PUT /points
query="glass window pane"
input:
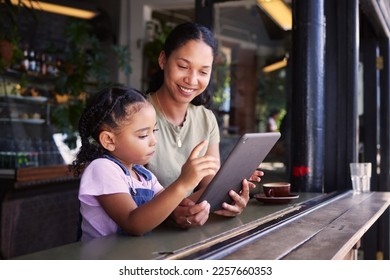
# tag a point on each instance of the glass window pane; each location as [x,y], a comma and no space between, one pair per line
[248,95]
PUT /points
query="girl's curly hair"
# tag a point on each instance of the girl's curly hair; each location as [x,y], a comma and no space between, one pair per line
[106,109]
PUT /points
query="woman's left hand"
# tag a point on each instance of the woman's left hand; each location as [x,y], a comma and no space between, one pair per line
[188,214]
[256,176]
[240,200]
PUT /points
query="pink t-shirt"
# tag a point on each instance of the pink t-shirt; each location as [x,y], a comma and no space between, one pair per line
[103,176]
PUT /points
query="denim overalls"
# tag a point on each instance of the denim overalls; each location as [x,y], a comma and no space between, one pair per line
[140,196]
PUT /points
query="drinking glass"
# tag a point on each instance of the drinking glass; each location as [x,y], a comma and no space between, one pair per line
[361,176]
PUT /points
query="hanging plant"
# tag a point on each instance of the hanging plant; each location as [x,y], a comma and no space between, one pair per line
[9,31]
[83,71]
[157,33]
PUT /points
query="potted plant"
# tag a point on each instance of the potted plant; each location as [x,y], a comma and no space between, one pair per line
[83,71]
[10,51]
[9,32]
[157,33]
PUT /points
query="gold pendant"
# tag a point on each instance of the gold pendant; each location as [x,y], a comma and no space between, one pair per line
[178,142]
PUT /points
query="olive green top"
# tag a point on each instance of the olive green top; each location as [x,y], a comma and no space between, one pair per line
[200,124]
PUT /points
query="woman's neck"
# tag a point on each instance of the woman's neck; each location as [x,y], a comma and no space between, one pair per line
[174,112]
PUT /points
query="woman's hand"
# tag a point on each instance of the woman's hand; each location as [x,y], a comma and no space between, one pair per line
[188,214]
[240,200]
[256,176]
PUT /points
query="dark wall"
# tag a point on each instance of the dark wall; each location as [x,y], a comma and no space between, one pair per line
[39,218]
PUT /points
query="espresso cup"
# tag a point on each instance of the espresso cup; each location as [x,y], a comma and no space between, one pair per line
[277,189]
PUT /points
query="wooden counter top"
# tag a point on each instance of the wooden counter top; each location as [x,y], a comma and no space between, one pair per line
[326,230]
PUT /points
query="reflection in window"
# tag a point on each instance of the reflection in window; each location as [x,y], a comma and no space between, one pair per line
[245,93]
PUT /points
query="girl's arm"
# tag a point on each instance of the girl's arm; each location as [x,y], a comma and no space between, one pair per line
[197,214]
[138,220]
[212,150]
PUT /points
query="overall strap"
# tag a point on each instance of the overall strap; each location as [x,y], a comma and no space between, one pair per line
[138,168]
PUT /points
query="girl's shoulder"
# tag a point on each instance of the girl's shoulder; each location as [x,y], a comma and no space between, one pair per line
[102,165]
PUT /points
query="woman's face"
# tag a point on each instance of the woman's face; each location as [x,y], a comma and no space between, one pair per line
[187,70]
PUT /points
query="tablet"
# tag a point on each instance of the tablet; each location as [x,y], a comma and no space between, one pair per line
[250,150]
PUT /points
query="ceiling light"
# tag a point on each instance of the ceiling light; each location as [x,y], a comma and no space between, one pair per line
[276,66]
[278,11]
[66,8]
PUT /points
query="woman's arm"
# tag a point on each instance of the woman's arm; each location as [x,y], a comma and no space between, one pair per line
[188,213]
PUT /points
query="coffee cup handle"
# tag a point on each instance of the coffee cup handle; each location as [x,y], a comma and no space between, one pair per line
[270,192]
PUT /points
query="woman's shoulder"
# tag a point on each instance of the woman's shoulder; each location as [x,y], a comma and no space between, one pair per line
[201,116]
[200,109]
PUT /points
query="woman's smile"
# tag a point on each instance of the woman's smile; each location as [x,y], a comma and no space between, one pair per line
[186,91]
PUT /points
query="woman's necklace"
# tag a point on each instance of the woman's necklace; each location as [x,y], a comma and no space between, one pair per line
[177,135]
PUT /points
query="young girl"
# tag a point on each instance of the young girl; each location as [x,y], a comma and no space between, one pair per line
[116,192]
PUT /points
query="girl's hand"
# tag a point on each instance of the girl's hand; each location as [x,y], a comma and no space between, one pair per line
[196,168]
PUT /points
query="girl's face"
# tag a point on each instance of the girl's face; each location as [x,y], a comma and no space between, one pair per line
[135,142]
[187,70]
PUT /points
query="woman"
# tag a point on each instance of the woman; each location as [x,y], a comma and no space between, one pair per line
[178,94]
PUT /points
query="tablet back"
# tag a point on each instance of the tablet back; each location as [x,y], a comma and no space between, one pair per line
[243,160]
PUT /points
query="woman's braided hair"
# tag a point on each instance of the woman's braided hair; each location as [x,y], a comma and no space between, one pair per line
[106,110]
